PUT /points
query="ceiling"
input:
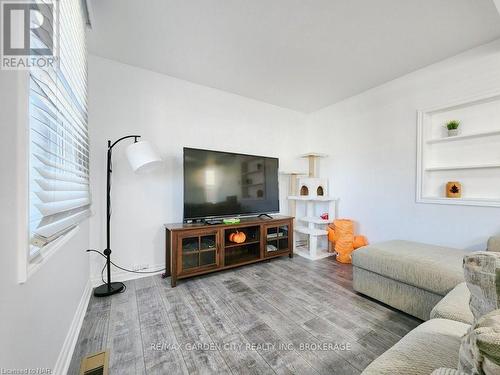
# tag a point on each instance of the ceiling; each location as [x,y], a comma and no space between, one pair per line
[298,54]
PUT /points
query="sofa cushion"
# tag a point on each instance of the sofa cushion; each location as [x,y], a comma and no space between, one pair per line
[431,345]
[482,275]
[433,268]
[455,305]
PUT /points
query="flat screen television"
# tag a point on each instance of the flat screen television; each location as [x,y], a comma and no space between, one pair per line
[218,184]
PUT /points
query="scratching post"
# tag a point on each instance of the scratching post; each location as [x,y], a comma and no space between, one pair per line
[292,191]
[313,159]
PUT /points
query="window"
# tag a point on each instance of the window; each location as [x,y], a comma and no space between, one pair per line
[59,196]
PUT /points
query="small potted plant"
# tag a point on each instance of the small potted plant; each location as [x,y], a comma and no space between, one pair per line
[452,127]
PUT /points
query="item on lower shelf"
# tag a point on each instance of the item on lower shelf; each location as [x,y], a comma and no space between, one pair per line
[324,216]
[237,237]
[207,243]
[453,189]
[341,235]
[271,248]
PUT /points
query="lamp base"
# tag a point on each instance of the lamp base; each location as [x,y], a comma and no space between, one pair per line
[108,289]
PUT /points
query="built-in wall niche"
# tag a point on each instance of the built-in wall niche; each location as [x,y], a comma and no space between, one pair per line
[471,158]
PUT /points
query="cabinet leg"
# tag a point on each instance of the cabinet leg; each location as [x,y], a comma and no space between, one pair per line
[173,282]
[291,254]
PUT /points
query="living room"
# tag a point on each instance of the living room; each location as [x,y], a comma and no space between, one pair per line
[330,167]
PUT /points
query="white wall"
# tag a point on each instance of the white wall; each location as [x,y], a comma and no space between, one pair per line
[35,316]
[170,113]
[371,140]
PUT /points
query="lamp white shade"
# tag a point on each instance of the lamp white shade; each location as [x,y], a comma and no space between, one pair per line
[142,156]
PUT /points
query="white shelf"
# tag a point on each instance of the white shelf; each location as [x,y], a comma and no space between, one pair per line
[462,201]
[457,167]
[465,136]
[307,198]
[304,252]
[310,231]
[315,220]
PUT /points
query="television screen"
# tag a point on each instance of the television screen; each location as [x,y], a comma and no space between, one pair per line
[220,184]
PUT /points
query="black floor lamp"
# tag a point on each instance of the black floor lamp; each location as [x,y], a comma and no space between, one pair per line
[141,156]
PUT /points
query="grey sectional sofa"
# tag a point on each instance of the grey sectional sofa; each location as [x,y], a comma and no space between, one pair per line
[425,281]
[410,276]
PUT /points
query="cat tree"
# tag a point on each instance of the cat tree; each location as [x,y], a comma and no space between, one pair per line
[308,200]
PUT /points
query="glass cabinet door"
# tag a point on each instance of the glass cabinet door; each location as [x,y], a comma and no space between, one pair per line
[190,250]
[276,240]
[283,238]
[208,250]
[198,252]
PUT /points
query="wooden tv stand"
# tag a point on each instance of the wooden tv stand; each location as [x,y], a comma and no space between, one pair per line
[196,249]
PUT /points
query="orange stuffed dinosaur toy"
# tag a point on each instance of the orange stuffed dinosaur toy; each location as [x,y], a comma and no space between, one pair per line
[341,235]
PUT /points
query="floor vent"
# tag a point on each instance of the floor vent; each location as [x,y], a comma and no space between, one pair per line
[95,364]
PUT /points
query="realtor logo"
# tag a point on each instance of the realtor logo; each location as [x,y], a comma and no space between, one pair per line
[29,34]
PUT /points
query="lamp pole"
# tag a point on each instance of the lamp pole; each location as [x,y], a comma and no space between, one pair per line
[109,287]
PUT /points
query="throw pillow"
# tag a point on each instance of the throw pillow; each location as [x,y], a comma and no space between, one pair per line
[482,275]
[480,347]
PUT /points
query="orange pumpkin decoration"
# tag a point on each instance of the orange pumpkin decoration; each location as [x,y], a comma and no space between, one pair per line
[237,237]
[360,241]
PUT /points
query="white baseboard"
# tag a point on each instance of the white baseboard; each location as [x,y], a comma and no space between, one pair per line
[64,358]
[125,276]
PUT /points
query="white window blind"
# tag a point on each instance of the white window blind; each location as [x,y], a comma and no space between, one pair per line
[59,142]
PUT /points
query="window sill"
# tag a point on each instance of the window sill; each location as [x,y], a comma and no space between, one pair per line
[36,262]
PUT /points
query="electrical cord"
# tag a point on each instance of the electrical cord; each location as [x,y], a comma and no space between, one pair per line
[122,268]
[102,273]
[117,266]
[104,282]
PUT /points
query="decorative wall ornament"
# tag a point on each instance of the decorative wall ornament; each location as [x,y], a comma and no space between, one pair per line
[453,189]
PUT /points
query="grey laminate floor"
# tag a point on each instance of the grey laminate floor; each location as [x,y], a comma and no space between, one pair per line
[283,316]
